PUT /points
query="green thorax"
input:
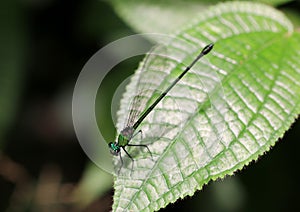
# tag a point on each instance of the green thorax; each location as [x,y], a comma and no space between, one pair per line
[125,136]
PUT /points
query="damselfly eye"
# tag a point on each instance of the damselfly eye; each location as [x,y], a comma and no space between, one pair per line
[114,148]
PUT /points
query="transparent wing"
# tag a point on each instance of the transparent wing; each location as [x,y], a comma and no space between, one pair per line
[148,77]
[157,71]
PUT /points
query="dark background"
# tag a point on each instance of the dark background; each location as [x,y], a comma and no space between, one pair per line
[45,44]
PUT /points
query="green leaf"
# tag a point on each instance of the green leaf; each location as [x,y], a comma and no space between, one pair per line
[164,16]
[234,105]
[157,16]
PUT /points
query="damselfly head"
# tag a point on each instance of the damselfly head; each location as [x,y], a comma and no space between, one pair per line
[114,148]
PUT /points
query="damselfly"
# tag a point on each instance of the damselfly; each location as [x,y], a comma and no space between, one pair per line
[129,131]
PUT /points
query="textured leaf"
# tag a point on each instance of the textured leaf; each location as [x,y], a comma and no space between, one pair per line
[233,106]
[164,16]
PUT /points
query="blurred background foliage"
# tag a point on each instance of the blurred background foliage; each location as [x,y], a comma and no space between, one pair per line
[44,45]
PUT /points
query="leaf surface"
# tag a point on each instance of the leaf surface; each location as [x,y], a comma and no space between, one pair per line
[230,109]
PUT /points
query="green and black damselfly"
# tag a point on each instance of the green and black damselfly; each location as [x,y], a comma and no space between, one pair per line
[129,131]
